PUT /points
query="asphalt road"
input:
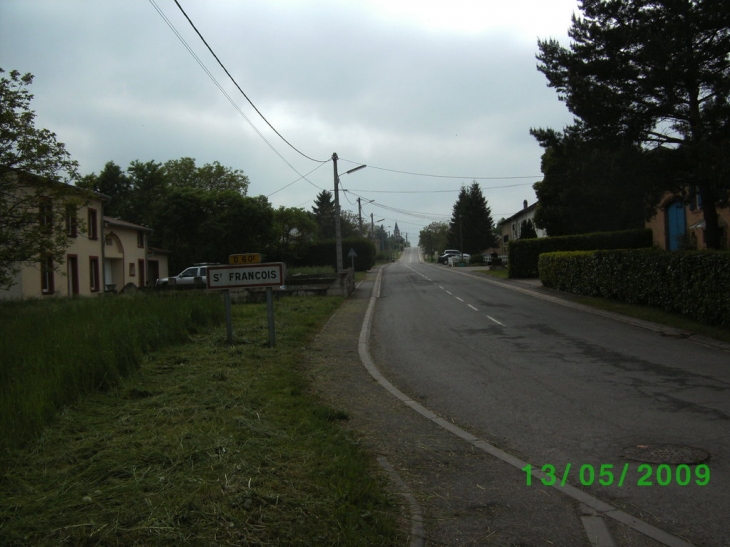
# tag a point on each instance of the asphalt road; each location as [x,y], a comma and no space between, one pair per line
[556,385]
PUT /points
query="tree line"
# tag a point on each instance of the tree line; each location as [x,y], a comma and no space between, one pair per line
[203,213]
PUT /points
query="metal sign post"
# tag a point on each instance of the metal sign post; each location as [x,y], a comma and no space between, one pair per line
[267,275]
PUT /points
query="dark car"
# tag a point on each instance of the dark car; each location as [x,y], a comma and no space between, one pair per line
[444,258]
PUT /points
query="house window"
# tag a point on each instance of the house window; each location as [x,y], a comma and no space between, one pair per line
[94,273]
[695,199]
[140,239]
[131,269]
[45,215]
[72,221]
[93,225]
[47,275]
[109,240]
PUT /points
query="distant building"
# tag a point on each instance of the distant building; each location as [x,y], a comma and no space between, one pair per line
[511,228]
[397,235]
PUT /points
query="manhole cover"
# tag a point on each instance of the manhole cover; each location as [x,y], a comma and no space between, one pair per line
[665,453]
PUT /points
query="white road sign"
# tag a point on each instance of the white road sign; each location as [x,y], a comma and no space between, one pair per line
[269,274]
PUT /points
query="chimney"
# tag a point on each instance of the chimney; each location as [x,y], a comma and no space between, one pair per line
[524,204]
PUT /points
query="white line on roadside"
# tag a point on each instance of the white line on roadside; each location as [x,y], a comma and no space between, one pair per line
[459,299]
[472,307]
[600,507]
[493,319]
[449,292]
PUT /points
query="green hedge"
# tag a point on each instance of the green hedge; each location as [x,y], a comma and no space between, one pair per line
[524,253]
[694,283]
[324,253]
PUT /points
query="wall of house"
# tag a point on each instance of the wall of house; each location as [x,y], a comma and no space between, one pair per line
[693,216]
[126,259]
[114,250]
[81,247]
[512,227]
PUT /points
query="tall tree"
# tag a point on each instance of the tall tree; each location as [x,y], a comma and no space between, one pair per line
[434,237]
[595,187]
[294,230]
[201,226]
[471,225]
[115,184]
[655,73]
[211,177]
[35,170]
[149,188]
[324,213]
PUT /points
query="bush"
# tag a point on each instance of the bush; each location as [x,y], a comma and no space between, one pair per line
[694,283]
[477,259]
[324,253]
[524,254]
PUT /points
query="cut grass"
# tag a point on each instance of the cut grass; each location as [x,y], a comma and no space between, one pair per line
[501,274]
[207,444]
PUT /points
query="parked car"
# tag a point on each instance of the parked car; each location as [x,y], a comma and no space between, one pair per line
[444,258]
[189,275]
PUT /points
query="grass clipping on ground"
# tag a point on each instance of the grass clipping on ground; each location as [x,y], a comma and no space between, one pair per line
[208,444]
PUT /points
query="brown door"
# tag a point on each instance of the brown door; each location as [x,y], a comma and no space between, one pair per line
[140,267]
[154,270]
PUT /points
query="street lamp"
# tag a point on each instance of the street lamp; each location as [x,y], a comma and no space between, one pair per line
[338,226]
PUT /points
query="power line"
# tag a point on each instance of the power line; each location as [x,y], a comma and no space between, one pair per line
[443,176]
[241,90]
[415,214]
[227,96]
[300,178]
[434,191]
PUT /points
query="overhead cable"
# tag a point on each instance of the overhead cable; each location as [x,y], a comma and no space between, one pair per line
[443,176]
[225,93]
[241,90]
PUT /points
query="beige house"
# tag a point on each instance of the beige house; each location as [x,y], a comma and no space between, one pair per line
[107,255]
[511,227]
[679,224]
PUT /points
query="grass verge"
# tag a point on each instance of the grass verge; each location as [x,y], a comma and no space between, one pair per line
[207,444]
[657,315]
[501,274]
[646,313]
[54,351]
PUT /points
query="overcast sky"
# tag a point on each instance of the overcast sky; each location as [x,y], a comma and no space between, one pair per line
[421,86]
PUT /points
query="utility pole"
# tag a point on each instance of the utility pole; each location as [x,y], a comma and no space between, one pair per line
[372,226]
[359,214]
[338,227]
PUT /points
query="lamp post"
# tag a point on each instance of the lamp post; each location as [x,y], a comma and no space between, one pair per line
[338,226]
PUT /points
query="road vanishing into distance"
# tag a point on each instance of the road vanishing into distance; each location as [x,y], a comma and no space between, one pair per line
[552,384]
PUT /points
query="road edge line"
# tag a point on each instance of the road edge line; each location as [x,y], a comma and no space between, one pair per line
[601,507]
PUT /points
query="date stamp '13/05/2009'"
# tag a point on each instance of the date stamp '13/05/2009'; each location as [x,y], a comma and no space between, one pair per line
[608,474]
